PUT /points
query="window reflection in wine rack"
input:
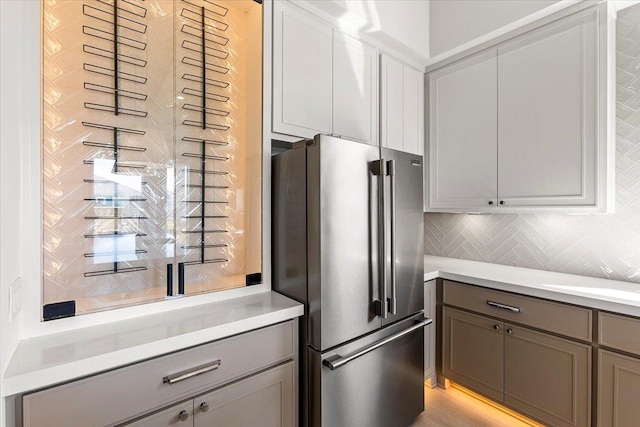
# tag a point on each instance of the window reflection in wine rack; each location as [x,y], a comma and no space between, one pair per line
[116,227]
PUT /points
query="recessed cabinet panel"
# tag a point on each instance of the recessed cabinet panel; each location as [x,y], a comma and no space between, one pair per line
[391,103]
[473,352]
[401,106]
[463,135]
[618,390]
[413,111]
[302,72]
[177,415]
[547,378]
[265,400]
[547,97]
[355,81]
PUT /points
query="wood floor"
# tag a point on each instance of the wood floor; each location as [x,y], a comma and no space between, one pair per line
[455,408]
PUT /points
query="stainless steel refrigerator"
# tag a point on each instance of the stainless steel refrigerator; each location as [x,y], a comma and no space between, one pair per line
[348,243]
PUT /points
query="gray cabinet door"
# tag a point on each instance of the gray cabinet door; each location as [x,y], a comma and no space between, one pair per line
[265,400]
[473,353]
[547,378]
[618,390]
[177,415]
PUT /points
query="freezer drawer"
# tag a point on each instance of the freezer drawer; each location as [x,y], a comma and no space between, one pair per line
[374,381]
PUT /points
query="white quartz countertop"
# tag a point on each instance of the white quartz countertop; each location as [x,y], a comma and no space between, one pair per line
[611,295]
[47,360]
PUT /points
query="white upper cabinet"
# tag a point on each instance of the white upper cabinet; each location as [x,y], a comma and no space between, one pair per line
[527,125]
[401,106]
[302,72]
[463,134]
[547,122]
[323,81]
[355,80]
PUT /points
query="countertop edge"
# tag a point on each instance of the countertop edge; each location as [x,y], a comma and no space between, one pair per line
[575,297]
[51,376]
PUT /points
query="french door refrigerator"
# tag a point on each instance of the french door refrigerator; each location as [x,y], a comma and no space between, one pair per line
[348,243]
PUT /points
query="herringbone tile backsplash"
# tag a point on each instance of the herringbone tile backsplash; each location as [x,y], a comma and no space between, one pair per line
[605,246]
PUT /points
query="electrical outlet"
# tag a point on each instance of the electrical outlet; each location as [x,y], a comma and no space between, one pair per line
[15,298]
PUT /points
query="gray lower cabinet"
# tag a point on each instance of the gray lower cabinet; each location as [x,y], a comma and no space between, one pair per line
[176,415]
[546,377]
[265,399]
[618,390]
[241,381]
[618,374]
[473,352]
[540,375]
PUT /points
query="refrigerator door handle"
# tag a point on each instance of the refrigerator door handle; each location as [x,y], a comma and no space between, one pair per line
[391,172]
[380,305]
[336,361]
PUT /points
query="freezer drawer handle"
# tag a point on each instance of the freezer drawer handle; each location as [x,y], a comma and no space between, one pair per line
[504,306]
[189,373]
[336,361]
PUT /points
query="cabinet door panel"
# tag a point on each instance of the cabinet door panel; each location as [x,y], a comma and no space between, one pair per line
[462,132]
[265,400]
[547,120]
[618,390]
[169,417]
[355,94]
[413,99]
[547,378]
[391,103]
[302,72]
[473,353]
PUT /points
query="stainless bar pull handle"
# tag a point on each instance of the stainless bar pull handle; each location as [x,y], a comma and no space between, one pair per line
[336,361]
[504,306]
[189,373]
[379,169]
[391,172]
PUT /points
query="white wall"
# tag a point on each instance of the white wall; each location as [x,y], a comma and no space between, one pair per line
[454,22]
[19,77]
[400,24]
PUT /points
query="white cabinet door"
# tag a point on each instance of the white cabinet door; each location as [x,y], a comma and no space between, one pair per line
[401,106]
[302,72]
[265,400]
[547,118]
[413,110]
[355,93]
[463,133]
[391,103]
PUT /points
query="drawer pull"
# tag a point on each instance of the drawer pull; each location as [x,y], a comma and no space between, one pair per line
[504,306]
[183,415]
[198,370]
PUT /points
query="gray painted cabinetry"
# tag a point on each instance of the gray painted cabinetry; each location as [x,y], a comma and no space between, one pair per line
[241,381]
[264,399]
[500,355]
[618,373]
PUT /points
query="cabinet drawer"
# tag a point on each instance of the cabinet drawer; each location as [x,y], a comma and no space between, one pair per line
[555,317]
[619,332]
[115,396]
